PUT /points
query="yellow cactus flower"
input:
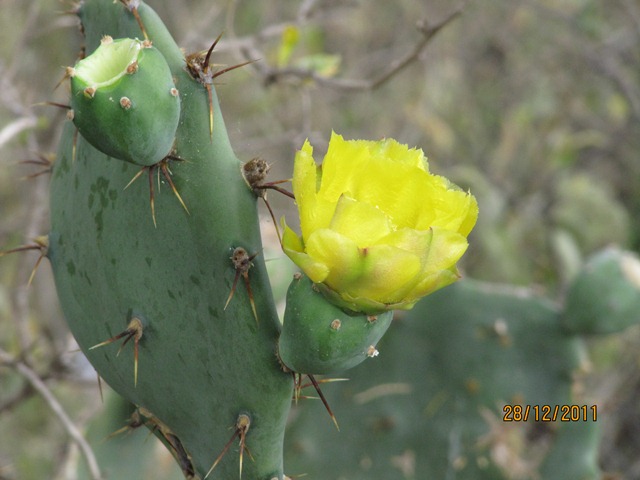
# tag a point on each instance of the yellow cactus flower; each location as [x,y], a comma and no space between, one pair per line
[379,231]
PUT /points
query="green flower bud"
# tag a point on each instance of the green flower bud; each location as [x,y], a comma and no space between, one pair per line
[125,102]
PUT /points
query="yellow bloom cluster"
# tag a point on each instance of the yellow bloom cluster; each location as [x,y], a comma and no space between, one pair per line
[378,230]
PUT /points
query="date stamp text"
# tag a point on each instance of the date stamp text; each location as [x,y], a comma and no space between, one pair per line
[550,413]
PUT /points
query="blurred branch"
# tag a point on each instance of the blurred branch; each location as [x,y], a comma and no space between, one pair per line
[15,127]
[309,10]
[272,75]
[21,43]
[36,382]
[243,44]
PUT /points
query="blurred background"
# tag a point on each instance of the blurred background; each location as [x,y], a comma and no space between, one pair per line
[533,105]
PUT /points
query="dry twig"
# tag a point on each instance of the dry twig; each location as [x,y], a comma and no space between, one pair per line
[36,382]
[272,75]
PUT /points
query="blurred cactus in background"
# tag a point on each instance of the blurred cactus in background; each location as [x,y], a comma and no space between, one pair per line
[165,274]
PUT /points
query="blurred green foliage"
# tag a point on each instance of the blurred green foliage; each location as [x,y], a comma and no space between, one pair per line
[531,104]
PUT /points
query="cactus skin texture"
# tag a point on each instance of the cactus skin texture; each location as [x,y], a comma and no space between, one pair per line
[200,366]
[430,406]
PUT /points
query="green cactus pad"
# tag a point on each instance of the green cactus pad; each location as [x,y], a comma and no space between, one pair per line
[605,297]
[125,102]
[320,338]
[199,365]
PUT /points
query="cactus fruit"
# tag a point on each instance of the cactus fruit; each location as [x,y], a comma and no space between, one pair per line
[124,101]
[320,338]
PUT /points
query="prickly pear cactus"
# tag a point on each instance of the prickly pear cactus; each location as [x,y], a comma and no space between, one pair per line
[155,250]
[144,272]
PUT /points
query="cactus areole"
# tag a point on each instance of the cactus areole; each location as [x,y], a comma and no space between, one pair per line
[125,102]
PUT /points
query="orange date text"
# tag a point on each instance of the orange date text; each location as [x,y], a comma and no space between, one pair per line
[550,413]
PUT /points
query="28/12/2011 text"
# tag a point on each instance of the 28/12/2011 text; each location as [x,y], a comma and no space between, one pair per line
[550,413]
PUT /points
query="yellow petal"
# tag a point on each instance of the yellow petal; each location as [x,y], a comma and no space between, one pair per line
[342,167]
[339,253]
[401,154]
[385,174]
[447,207]
[294,249]
[433,282]
[471,216]
[386,270]
[304,186]
[417,242]
[290,241]
[362,223]
[400,191]
[315,212]
[445,250]
[438,263]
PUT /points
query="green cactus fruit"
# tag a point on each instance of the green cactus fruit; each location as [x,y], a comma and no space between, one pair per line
[605,297]
[320,338]
[125,102]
